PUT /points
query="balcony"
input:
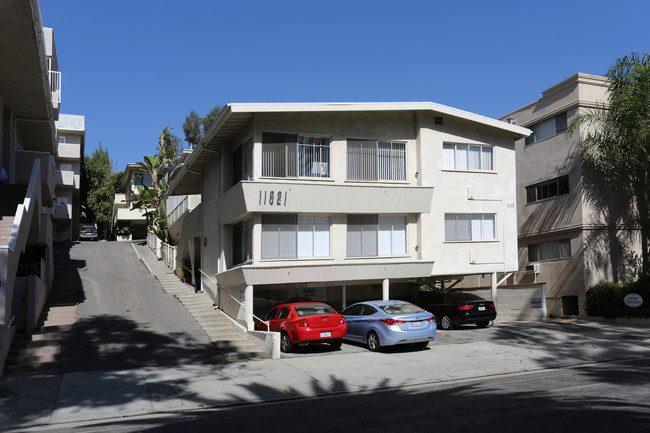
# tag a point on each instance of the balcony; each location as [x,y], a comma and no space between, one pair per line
[67,179]
[25,162]
[63,211]
[55,87]
[68,151]
[296,197]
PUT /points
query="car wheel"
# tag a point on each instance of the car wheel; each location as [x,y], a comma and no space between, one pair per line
[336,344]
[482,324]
[285,343]
[373,342]
[421,344]
[446,323]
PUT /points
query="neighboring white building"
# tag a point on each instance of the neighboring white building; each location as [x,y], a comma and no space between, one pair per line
[124,215]
[347,201]
[30,96]
[71,132]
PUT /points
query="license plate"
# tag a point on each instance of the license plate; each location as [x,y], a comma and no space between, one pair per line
[481,308]
[325,334]
[416,324]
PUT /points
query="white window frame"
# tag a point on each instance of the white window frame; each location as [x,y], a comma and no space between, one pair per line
[298,236]
[304,156]
[458,157]
[470,227]
[376,235]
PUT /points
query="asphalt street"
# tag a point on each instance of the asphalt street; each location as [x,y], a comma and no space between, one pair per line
[599,397]
[126,320]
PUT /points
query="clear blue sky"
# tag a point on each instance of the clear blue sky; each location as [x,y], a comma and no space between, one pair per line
[132,67]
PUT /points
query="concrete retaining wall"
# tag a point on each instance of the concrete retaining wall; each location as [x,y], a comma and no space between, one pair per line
[525,302]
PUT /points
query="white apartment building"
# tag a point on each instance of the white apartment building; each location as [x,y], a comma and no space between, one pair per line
[124,214]
[346,201]
[30,96]
[574,226]
[71,135]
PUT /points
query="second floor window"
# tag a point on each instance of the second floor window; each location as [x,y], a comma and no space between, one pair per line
[376,160]
[293,236]
[469,227]
[242,242]
[547,128]
[472,157]
[290,155]
[548,189]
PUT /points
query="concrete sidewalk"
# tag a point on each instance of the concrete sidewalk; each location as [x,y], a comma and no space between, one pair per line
[504,349]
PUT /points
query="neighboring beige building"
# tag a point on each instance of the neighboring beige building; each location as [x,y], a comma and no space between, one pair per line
[347,201]
[71,131]
[30,96]
[571,221]
[124,215]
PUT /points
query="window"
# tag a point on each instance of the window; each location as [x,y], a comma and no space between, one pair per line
[376,235]
[469,227]
[376,160]
[287,155]
[242,242]
[242,162]
[292,236]
[547,128]
[472,157]
[551,250]
[65,166]
[548,189]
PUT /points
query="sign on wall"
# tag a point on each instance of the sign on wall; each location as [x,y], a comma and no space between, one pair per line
[633,300]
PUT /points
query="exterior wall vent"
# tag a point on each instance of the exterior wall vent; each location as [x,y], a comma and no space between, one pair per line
[437,120]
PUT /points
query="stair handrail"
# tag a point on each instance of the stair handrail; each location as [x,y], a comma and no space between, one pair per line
[268,328]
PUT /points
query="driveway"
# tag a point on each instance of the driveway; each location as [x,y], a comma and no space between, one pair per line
[125,319]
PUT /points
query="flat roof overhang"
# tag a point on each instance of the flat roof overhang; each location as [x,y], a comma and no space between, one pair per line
[186,178]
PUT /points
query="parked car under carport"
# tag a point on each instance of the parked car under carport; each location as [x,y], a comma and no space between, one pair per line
[456,307]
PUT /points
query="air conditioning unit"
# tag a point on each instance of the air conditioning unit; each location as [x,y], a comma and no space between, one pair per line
[532,269]
[319,169]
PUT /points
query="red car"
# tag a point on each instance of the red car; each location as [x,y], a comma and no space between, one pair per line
[302,323]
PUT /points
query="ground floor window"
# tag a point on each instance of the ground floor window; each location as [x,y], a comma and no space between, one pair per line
[293,236]
[376,235]
[552,250]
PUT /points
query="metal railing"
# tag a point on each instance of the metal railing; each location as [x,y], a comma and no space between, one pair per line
[237,301]
[55,86]
[178,211]
[169,255]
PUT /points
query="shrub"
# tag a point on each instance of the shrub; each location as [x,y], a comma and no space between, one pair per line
[606,299]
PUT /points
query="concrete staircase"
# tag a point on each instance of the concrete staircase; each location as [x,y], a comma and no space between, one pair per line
[40,352]
[234,343]
[6,222]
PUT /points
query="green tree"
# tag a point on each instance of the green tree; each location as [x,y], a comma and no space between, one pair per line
[196,126]
[151,200]
[98,183]
[618,134]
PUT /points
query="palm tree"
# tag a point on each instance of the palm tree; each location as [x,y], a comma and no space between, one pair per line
[619,133]
[151,201]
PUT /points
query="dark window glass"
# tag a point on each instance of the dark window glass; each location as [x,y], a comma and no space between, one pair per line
[547,189]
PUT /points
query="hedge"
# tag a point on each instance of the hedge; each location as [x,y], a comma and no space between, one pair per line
[606,299]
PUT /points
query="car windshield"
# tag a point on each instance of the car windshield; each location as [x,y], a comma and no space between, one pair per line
[401,309]
[465,297]
[314,309]
[86,227]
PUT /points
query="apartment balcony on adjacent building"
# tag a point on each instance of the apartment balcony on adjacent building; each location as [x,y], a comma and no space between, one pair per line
[68,151]
[63,211]
[68,179]
[55,87]
[24,163]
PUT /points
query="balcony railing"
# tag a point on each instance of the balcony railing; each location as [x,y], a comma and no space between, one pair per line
[55,86]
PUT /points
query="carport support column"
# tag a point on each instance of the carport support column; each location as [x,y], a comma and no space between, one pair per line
[248,303]
[494,292]
[384,290]
[344,300]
